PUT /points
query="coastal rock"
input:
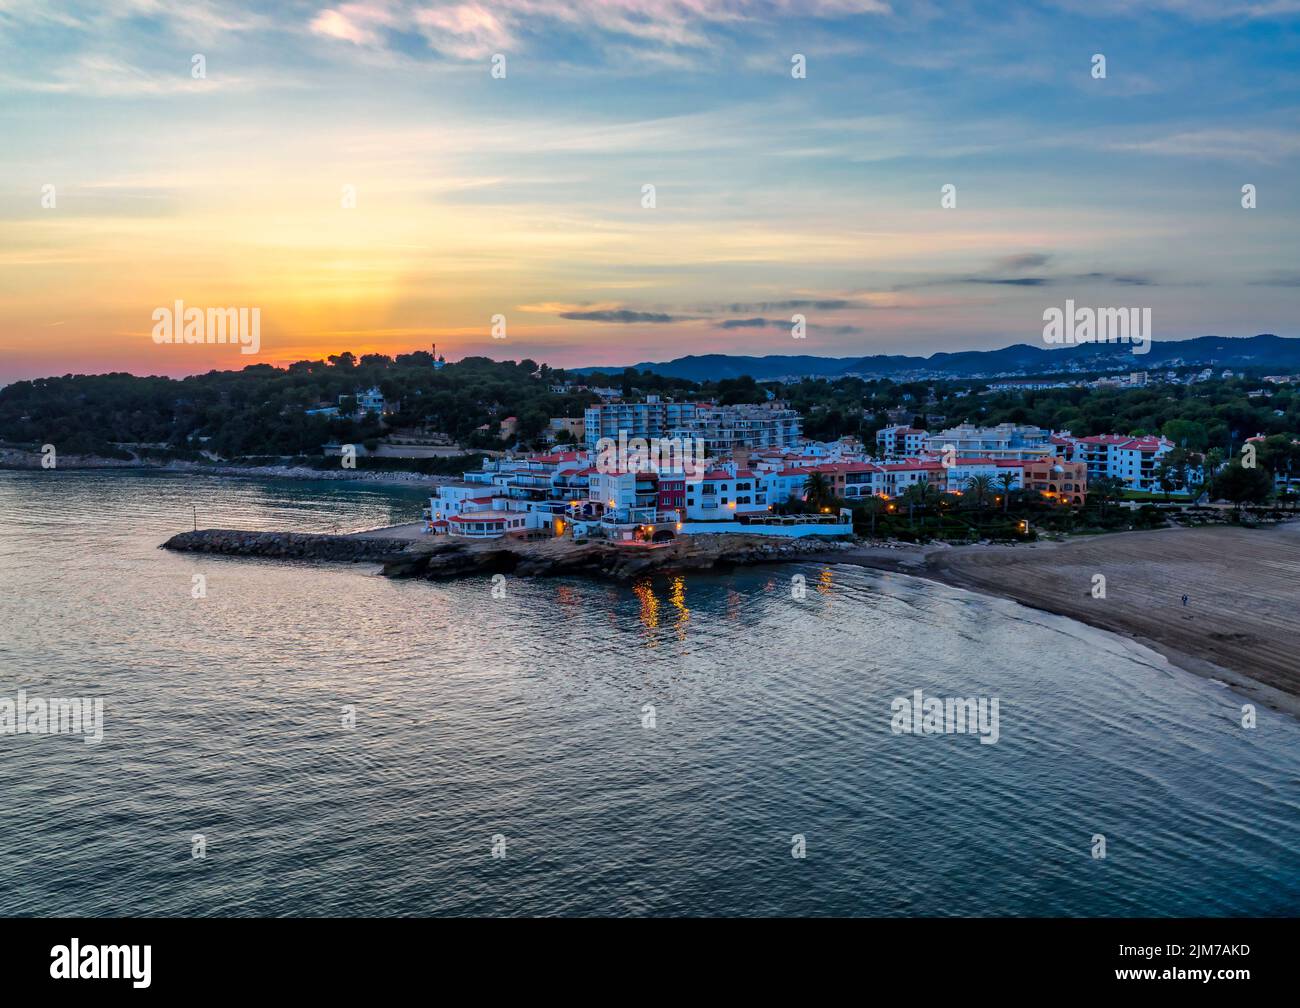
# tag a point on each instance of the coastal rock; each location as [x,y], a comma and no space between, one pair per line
[438,560]
[287,545]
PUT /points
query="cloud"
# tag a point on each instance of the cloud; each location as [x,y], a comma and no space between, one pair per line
[834,304]
[620,315]
[1199,10]
[107,76]
[472,30]
[1010,281]
[1025,260]
[1278,279]
[836,330]
[1262,145]
[1009,271]
[355,23]
[747,323]
[1123,280]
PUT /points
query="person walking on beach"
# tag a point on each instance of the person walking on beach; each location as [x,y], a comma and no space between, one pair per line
[1184,600]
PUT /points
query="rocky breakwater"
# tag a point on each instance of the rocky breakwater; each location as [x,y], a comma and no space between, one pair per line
[288,545]
[559,557]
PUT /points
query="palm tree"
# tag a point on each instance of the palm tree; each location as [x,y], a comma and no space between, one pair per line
[980,488]
[817,490]
[1006,482]
[922,495]
[872,506]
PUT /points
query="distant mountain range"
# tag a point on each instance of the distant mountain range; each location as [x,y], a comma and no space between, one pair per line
[1265,350]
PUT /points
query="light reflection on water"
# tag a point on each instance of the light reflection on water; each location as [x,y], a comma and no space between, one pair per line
[523,716]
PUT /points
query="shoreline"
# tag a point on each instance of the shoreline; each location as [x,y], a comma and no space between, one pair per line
[1240,638]
[15,461]
[1240,627]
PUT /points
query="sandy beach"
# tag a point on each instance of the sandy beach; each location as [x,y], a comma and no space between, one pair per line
[1241,623]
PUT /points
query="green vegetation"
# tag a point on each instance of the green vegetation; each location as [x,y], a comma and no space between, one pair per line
[260,411]
[1214,414]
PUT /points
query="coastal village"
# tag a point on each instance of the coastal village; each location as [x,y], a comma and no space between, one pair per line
[747,468]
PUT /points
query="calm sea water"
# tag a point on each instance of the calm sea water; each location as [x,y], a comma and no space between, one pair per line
[522,717]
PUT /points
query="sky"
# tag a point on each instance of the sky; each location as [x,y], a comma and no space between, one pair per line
[197,151]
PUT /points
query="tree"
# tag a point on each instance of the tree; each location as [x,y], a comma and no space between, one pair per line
[923,495]
[817,491]
[1188,434]
[872,506]
[1006,481]
[1279,454]
[1107,489]
[1241,485]
[980,489]
[1168,478]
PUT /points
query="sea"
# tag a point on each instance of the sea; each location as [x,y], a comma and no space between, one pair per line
[302,739]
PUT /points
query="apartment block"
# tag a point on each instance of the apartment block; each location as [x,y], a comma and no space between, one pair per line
[654,418]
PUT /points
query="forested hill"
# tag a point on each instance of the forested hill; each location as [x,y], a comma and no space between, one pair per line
[260,410]
[1263,351]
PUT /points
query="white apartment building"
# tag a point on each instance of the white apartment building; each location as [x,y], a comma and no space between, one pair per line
[1136,461]
[1014,442]
[721,494]
[965,468]
[654,418]
[896,477]
[893,442]
[726,429]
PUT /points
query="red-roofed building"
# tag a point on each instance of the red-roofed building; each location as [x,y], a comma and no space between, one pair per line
[1134,460]
[892,442]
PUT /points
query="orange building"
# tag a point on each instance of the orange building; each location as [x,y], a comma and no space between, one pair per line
[1057,479]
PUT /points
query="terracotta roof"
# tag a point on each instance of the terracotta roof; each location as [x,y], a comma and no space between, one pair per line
[722,474]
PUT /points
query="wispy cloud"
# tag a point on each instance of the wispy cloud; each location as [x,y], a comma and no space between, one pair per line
[621,315]
[1237,145]
[474,30]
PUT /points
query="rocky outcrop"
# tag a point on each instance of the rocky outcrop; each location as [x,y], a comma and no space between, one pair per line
[447,559]
[560,558]
[288,545]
